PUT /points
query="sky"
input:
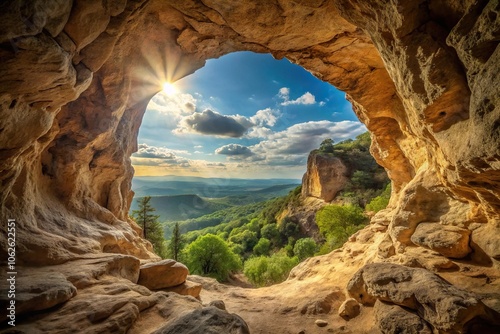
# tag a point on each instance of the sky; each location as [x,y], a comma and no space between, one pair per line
[244,115]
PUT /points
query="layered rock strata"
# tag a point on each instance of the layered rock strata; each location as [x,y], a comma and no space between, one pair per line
[76,76]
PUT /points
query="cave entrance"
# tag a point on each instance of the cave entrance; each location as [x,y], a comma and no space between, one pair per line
[237,132]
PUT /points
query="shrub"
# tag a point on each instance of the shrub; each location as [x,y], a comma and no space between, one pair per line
[380,202]
[304,248]
[265,270]
[262,247]
[210,255]
[337,223]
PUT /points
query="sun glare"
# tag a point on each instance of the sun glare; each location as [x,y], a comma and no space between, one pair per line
[169,88]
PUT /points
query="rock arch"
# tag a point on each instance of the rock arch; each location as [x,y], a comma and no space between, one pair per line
[76,78]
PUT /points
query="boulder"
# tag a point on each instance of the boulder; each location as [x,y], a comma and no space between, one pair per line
[207,320]
[392,318]
[187,288]
[162,274]
[441,304]
[349,309]
[450,241]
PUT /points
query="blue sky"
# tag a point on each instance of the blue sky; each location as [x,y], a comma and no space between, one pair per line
[243,115]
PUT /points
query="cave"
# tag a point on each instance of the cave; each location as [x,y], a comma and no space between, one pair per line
[76,78]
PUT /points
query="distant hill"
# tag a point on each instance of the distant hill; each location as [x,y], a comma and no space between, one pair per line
[203,187]
[181,207]
[187,206]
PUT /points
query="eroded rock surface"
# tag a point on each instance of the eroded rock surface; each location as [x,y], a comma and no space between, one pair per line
[450,241]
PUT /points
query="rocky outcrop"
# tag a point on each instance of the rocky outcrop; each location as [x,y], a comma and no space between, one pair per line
[326,175]
[75,79]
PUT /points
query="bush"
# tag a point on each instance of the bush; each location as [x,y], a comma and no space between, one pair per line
[263,247]
[337,223]
[380,202]
[270,231]
[265,270]
[210,255]
[304,248]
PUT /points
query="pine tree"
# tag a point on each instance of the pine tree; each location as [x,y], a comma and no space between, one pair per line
[151,227]
[176,243]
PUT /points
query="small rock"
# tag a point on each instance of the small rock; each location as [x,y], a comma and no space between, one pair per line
[321,323]
[219,304]
[349,309]
[162,274]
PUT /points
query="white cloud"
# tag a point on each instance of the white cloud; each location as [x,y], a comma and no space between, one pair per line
[264,117]
[284,93]
[305,99]
[322,103]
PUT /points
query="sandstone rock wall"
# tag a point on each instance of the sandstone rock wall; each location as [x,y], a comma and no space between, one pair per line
[76,76]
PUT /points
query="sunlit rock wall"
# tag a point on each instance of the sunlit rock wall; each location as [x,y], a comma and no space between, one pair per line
[76,77]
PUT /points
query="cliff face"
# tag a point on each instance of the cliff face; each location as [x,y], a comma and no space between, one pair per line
[76,77]
[325,177]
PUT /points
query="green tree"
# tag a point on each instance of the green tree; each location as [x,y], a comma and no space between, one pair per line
[337,223]
[210,255]
[304,248]
[151,227]
[262,247]
[326,146]
[176,243]
[247,239]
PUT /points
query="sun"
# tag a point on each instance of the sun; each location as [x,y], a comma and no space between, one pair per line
[169,88]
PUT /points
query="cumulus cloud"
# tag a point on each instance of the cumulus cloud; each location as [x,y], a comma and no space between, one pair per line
[307,98]
[158,156]
[233,149]
[284,93]
[210,122]
[292,145]
[265,117]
